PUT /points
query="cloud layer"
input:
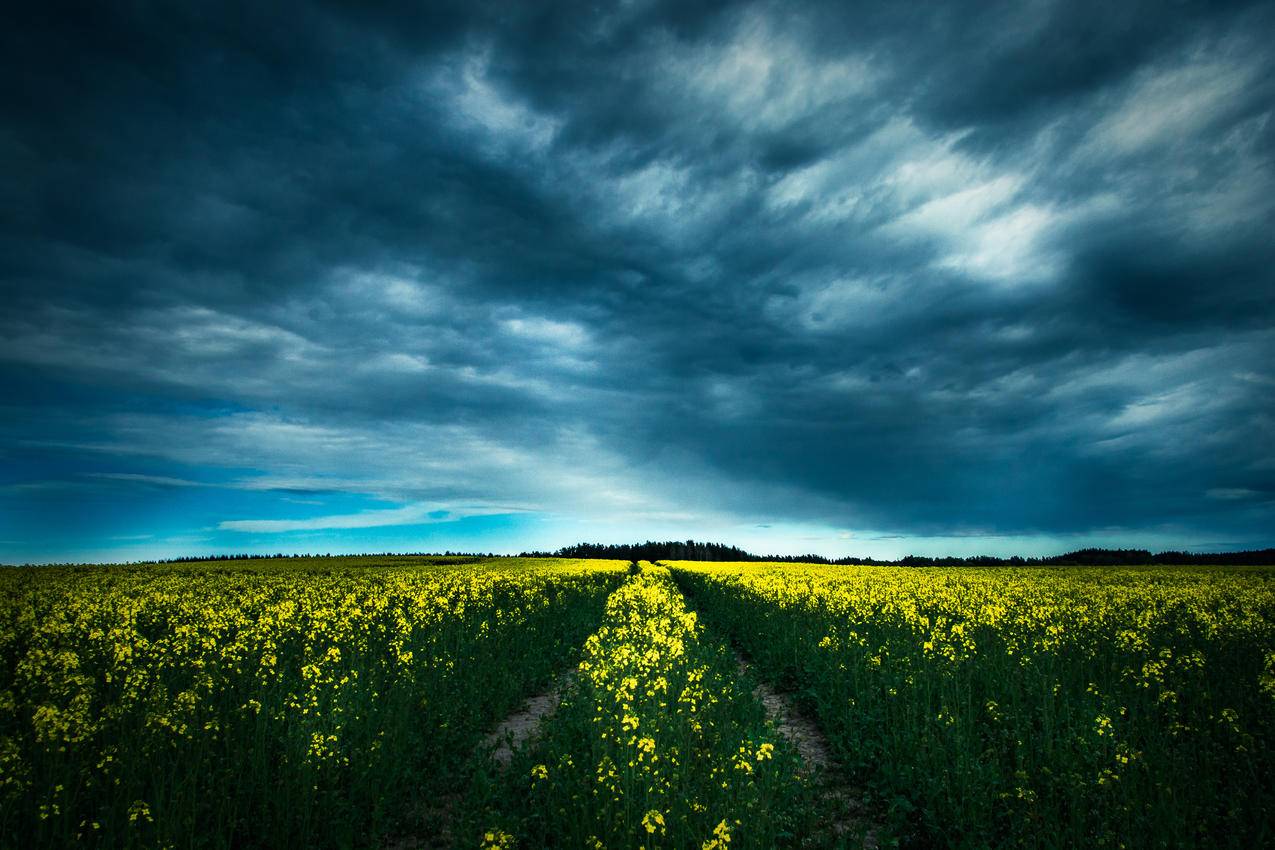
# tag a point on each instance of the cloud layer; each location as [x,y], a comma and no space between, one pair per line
[1000,272]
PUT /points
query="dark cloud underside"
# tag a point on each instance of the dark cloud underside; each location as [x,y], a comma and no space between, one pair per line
[984,269]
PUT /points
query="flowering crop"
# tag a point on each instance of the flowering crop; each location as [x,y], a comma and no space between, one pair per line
[657,745]
[256,704]
[332,702]
[1029,707]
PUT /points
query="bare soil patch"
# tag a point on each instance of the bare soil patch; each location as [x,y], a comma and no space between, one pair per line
[848,812]
[515,730]
[523,724]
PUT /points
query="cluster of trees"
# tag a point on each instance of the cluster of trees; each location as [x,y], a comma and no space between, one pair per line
[691,550]
[671,550]
[1135,557]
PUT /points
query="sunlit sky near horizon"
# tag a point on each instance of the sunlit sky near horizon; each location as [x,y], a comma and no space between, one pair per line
[874,279]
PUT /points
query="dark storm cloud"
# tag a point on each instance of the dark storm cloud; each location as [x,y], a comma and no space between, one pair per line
[973,269]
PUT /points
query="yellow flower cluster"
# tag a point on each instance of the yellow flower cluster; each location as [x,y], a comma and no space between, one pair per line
[644,729]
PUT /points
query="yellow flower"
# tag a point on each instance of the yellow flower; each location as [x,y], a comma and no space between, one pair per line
[498,840]
[721,838]
[653,820]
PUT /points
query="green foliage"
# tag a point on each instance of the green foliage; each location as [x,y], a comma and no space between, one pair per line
[333,702]
[657,745]
[264,704]
[1028,707]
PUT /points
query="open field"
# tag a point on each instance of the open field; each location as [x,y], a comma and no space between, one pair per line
[355,703]
[1121,707]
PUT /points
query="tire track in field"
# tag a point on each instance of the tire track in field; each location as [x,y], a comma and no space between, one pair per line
[520,727]
[848,813]
[709,775]
[523,724]
[789,720]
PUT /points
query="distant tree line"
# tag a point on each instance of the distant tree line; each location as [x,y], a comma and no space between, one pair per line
[672,550]
[457,557]
[691,550]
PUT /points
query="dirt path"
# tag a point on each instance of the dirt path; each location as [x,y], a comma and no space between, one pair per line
[847,813]
[523,724]
[845,820]
[790,721]
[438,814]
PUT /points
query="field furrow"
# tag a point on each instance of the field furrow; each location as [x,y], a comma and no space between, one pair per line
[845,818]
[524,724]
[657,744]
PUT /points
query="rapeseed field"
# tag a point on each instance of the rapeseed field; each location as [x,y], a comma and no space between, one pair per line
[344,703]
[1050,707]
[252,704]
[657,745]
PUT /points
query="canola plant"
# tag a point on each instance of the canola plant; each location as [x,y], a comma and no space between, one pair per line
[1006,707]
[255,704]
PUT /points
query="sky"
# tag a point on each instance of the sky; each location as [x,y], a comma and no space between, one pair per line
[849,279]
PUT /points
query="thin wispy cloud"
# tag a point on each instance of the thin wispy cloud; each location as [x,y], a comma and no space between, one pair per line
[408,515]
